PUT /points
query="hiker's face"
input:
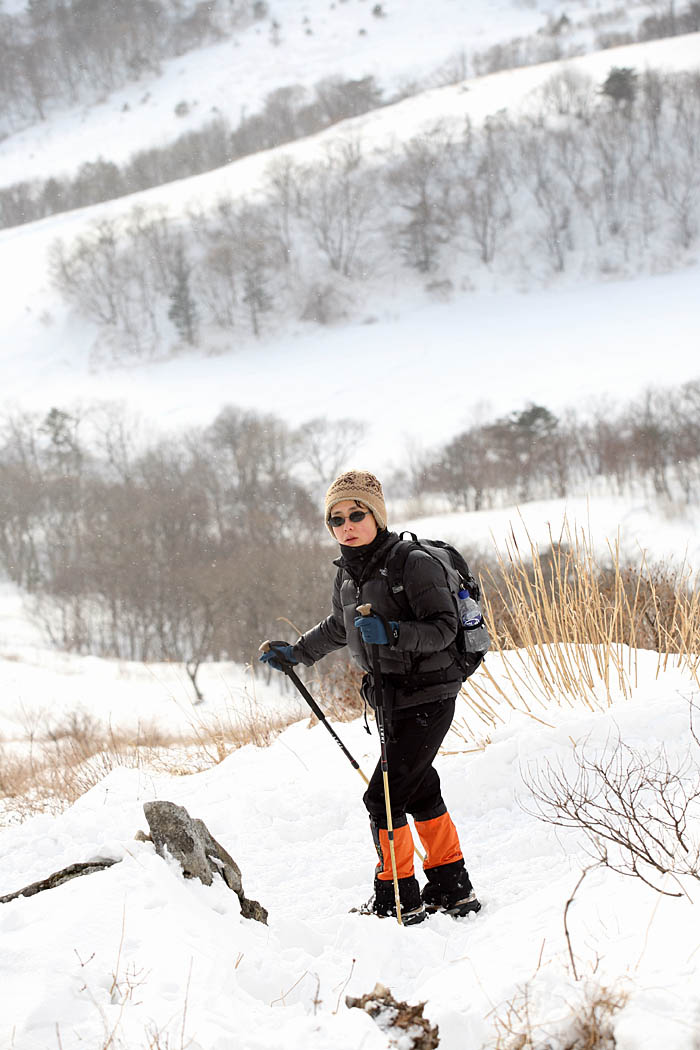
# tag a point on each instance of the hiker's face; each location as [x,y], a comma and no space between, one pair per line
[353,533]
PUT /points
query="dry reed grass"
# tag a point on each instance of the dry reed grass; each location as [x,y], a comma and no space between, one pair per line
[567,629]
[56,768]
[60,765]
[338,691]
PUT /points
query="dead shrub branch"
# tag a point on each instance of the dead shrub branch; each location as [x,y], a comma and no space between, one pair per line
[637,811]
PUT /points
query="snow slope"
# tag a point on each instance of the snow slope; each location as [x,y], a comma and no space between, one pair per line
[136,956]
[479,354]
[136,950]
[528,342]
[316,40]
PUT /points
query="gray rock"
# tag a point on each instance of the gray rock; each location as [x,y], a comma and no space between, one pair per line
[201,857]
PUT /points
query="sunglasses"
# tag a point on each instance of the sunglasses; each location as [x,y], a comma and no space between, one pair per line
[355,515]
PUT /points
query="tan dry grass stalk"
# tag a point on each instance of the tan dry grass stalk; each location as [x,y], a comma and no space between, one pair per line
[69,760]
[75,755]
[213,737]
[568,629]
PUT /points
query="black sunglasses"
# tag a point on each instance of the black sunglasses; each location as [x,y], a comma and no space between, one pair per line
[355,515]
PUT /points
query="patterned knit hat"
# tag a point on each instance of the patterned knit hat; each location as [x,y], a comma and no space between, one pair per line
[361,486]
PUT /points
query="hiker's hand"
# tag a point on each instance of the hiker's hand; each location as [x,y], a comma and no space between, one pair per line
[278,653]
[373,630]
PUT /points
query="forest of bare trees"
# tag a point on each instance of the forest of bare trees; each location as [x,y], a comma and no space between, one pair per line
[190,548]
[601,182]
[288,113]
[70,52]
[184,549]
[648,446]
[119,47]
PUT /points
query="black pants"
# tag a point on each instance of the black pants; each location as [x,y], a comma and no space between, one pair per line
[414,785]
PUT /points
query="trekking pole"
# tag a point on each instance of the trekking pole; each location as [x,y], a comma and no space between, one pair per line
[292,675]
[366,610]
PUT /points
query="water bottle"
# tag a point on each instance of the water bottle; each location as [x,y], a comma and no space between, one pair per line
[476,637]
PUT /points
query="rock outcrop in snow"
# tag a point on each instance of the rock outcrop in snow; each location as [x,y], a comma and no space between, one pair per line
[189,841]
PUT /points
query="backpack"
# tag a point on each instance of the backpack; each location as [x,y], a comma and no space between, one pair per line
[472,641]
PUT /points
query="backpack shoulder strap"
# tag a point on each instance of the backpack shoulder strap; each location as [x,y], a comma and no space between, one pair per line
[396,562]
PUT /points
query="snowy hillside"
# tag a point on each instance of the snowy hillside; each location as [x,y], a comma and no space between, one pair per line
[407,44]
[498,346]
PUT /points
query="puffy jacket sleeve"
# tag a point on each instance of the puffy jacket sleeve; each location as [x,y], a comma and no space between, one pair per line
[432,604]
[327,635]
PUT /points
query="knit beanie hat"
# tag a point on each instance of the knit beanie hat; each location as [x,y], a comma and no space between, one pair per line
[361,486]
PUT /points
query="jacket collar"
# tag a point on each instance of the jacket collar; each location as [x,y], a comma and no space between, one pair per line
[360,569]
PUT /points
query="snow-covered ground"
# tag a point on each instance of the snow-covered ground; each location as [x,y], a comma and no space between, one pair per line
[417,375]
[137,950]
[41,688]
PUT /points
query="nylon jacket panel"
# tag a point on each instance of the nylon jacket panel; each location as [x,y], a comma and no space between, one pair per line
[425,639]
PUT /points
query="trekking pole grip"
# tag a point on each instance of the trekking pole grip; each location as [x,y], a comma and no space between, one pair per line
[366,610]
[267,645]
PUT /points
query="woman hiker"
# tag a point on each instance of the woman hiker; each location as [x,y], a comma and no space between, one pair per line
[420,681]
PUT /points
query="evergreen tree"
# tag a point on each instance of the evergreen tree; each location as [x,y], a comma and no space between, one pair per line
[183,308]
[621,85]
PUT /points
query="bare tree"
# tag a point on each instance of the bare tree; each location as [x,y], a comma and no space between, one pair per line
[324,446]
[569,93]
[636,810]
[484,199]
[23,499]
[421,191]
[464,470]
[340,205]
[284,197]
[676,169]
[109,283]
[217,282]
[551,195]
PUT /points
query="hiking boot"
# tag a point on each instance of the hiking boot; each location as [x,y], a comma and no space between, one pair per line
[461,907]
[449,889]
[383,902]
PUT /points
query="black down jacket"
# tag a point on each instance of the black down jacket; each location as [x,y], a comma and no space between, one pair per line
[421,665]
